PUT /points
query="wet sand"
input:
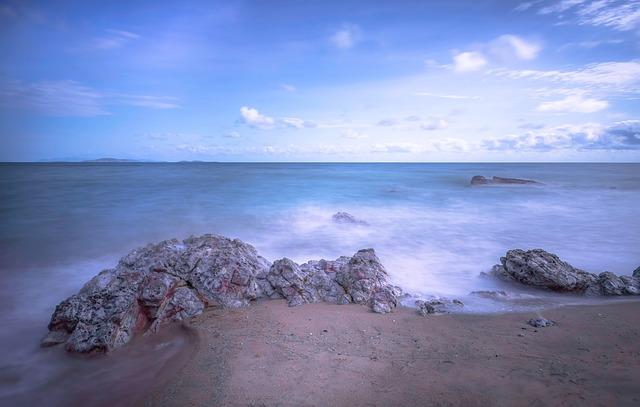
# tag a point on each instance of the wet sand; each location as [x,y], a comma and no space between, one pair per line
[331,355]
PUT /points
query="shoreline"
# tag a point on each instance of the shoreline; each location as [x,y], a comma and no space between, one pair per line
[325,354]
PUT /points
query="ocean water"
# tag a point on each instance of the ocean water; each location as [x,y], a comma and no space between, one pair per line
[62,223]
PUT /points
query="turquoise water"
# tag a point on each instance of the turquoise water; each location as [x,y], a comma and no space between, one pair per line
[63,223]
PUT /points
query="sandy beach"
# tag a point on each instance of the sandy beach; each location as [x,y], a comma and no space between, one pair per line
[344,355]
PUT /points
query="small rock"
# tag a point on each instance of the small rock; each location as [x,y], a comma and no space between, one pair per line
[480,180]
[495,295]
[540,322]
[437,306]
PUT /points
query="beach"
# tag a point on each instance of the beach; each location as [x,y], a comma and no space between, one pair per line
[327,355]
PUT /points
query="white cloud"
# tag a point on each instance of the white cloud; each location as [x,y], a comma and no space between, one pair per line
[253,118]
[623,135]
[231,134]
[509,46]
[354,134]
[574,104]
[415,123]
[468,61]
[295,122]
[434,124]
[288,88]
[396,148]
[346,37]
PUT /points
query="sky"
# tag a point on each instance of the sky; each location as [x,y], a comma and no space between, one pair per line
[414,81]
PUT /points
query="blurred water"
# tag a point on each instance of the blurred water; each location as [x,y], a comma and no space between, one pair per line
[63,223]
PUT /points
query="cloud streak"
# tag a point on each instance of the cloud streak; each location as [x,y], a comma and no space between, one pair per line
[71,98]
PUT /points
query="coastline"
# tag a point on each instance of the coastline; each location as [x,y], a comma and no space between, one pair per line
[324,354]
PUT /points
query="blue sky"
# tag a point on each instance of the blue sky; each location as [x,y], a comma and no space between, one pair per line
[539,80]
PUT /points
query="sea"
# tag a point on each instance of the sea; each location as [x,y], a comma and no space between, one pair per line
[62,223]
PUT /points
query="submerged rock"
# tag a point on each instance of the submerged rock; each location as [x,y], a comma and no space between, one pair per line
[437,306]
[481,180]
[346,218]
[540,269]
[540,322]
[174,280]
[494,295]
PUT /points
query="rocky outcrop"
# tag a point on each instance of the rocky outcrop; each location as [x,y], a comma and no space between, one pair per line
[360,279]
[346,218]
[481,180]
[540,269]
[174,280]
[159,283]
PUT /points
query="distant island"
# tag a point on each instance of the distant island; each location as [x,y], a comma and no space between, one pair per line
[111,160]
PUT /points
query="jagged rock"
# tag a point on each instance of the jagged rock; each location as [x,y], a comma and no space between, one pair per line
[480,180]
[540,322]
[360,279]
[174,280]
[345,217]
[437,306]
[631,285]
[636,273]
[538,268]
[610,284]
[158,283]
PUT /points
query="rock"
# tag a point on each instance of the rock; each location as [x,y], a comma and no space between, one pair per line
[437,306]
[636,273]
[346,218]
[158,283]
[631,285]
[480,180]
[540,322]
[359,279]
[495,295]
[512,181]
[174,280]
[610,284]
[538,268]
[288,279]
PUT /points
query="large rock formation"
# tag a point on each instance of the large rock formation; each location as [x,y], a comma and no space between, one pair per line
[481,180]
[540,269]
[174,280]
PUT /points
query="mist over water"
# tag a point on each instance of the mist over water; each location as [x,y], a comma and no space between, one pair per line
[63,223]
